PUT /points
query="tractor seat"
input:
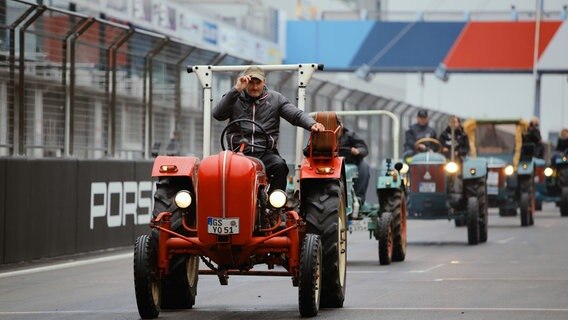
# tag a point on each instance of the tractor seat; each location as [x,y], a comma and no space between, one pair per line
[326,143]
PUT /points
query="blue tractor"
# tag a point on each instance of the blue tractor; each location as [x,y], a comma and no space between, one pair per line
[552,185]
[512,165]
[441,188]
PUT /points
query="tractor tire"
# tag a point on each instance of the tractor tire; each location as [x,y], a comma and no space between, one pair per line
[478,189]
[395,203]
[179,286]
[309,287]
[472,221]
[324,210]
[385,238]
[525,206]
[147,276]
[538,205]
[564,202]
[481,189]
[563,176]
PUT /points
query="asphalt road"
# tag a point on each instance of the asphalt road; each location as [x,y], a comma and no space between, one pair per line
[520,273]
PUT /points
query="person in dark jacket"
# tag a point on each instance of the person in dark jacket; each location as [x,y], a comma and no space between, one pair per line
[532,136]
[251,99]
[460,141]
[417,131]
[562,144]
[353,148]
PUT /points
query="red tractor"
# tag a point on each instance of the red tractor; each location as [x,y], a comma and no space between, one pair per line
[217,210]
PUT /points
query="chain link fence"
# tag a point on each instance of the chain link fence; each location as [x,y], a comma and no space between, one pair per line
[74,85]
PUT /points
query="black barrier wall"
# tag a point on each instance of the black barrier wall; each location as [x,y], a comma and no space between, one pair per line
[3,186]
[54,207]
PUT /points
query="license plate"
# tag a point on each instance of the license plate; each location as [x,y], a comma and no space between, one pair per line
[359,225]
[223,226]
[492,178]
[427,187]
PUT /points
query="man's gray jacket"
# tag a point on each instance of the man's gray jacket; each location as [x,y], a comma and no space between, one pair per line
[265,110]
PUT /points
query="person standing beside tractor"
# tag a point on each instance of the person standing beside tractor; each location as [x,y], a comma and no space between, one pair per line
[251,99]
[354,149]
[459,140]
[417,131]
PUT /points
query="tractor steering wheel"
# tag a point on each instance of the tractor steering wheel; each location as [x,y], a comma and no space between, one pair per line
[244,140]
[436,142]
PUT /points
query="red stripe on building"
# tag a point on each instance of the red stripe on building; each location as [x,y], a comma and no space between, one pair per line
[499,45]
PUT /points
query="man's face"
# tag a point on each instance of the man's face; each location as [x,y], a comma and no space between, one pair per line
[422,121]
[255,87]
[454,123]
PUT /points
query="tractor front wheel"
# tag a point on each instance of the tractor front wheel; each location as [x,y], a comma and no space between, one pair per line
[472,220]
[324,209]
[385,238]
[564,202]
[394,202]
[146,277]
[309,288]
[525,206]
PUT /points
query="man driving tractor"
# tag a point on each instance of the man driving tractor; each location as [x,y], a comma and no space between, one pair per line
[417,131]
[251,99]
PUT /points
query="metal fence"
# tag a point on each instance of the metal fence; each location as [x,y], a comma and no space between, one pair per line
[74,85]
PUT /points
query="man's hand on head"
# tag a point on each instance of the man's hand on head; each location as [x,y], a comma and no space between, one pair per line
[355,151]
[242,83]
[317,127]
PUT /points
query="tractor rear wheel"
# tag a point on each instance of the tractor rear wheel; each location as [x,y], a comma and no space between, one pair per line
[147,276]
[525,205]
[395,203]
[385,238]
[472,220]
[179,286]
[324,210]
[309,288]
[564,202]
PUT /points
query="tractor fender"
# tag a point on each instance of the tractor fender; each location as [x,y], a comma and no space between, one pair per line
[330,169]
[526,167]
[474,168]
[317,171]
[177,166]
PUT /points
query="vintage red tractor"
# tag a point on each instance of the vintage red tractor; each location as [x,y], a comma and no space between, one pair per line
[217,210]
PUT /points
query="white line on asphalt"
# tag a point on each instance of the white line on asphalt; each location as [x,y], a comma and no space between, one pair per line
[11,313]
[65,265]
[502,241]
[460,309]
[429,269]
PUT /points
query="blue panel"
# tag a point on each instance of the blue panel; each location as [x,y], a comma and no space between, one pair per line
[301,46]
[378,38]
[333,43]
[422,45]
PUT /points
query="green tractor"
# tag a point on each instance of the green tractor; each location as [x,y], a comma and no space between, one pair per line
[385,221]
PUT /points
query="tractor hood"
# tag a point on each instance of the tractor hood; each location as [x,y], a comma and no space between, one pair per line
[227,187]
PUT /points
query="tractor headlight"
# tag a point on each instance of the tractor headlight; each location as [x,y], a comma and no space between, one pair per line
[509,170]
[548,171]
[452,167]
[183,199]
[404,168]
[277,199]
